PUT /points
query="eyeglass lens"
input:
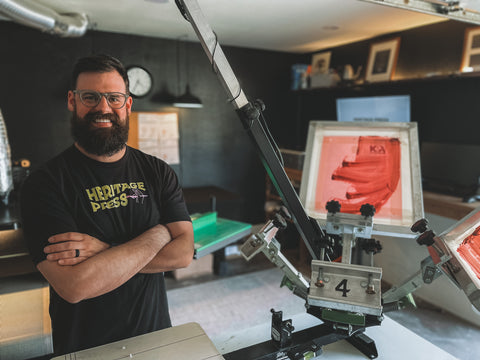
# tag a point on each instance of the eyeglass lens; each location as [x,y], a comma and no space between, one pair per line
[92,98]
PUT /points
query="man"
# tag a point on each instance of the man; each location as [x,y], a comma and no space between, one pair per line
[103,221]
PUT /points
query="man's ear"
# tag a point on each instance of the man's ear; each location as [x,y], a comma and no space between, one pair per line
[128,105]
[71,101]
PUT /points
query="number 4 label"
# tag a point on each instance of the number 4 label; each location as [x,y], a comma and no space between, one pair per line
[342,287]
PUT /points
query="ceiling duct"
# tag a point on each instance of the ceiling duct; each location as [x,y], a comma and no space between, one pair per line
[45,19]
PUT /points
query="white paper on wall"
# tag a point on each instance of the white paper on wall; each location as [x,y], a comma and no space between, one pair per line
[158,136]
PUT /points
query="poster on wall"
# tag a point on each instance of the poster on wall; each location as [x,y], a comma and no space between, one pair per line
[158,136]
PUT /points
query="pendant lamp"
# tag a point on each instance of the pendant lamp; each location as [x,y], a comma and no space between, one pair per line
[187,99]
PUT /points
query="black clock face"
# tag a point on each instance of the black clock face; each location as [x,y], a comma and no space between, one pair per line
[141,81]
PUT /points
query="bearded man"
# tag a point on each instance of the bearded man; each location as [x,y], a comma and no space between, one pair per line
[101,248]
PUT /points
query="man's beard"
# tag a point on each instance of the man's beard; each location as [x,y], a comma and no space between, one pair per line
[99,141]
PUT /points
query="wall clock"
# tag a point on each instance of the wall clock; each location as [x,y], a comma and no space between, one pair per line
[141,81]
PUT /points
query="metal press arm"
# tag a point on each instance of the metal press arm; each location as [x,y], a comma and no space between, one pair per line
[249,113]
[425,275]
[264,241]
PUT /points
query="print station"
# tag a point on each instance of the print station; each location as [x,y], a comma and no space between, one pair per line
[343,298]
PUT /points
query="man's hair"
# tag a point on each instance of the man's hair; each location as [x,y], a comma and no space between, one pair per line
[99,63]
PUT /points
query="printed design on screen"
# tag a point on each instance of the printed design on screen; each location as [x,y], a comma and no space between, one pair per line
[469,250]
[359,170]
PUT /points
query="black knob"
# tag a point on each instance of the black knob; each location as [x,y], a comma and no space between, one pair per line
[420,226]
[279,221]
[333,206]
[259,104]
[427,238]
[367,210]
[371,246]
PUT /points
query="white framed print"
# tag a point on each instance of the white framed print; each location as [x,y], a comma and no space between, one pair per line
[382,60]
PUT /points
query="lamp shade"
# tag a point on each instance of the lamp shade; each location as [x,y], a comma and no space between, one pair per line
[187,100]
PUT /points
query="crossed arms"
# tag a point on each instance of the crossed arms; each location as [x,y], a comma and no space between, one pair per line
[101,269]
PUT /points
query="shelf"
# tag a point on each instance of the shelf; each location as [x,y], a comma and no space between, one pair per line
[351,85]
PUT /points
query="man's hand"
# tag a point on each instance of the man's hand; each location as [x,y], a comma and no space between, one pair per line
[64,248]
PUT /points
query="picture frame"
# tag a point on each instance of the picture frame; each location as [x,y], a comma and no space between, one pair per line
[382,60]
[390,151]
[321,62]
[471,50]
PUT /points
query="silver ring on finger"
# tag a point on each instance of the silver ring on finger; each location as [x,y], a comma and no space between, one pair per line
[77,253]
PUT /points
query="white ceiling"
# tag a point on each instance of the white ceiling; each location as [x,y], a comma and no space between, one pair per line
[283,25]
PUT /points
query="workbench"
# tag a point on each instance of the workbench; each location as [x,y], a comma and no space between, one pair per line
[447,206]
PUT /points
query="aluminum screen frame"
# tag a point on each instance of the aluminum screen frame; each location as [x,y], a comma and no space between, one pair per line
[411,186]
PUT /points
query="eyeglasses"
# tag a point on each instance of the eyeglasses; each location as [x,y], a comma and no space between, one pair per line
[92,98]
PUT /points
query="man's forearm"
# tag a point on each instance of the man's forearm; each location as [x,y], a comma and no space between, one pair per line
[177,254]
[107,270]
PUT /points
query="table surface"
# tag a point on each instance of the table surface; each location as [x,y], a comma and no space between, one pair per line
[393,341]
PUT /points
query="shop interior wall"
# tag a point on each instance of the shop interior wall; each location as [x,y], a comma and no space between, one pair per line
[214,148]
[444,102]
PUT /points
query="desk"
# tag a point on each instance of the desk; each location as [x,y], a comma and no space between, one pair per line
[182,342]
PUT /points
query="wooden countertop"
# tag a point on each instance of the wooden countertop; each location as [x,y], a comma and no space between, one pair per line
[446,205]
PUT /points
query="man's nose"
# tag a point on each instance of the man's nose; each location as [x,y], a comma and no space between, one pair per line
[103,105]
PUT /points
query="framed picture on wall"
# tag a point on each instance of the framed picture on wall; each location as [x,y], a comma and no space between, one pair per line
[382,60]
[359,163]
[471,50]
[321,62]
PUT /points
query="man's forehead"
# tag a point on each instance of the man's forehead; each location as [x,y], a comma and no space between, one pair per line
[89,80]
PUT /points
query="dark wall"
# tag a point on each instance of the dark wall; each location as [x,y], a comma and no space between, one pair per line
[214,148]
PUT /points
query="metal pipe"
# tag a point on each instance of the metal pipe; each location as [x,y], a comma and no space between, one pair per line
[44,18]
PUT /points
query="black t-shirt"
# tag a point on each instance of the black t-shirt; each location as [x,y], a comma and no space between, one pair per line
[114,202]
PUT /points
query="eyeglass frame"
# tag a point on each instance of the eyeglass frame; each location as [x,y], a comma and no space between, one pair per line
[79,92]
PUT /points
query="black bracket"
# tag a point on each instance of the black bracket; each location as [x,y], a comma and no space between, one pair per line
[364,344]
[281,330]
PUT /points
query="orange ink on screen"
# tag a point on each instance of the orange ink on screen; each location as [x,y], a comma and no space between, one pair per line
[469,250]
[358,170]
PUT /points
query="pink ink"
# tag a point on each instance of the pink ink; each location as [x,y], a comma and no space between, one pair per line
[362,170]
[469,250]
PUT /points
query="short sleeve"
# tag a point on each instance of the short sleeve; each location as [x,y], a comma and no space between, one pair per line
[173,204]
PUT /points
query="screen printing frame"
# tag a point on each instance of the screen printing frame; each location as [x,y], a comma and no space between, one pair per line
[410,175]
[452,238]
